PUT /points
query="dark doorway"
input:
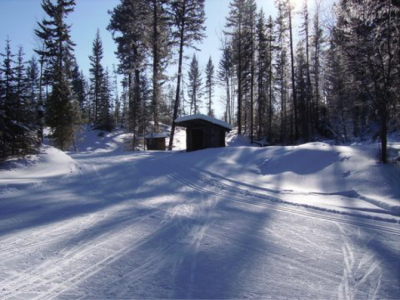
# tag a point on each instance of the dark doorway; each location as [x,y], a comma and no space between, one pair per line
[198,139]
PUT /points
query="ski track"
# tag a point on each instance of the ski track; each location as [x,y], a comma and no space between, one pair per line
[170,231]
[354,275]
[269,202]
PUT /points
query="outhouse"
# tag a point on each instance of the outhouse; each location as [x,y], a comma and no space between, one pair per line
[203,131]
[156,141]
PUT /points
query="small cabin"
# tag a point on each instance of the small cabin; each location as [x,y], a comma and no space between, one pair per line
[203,131]
[156,141]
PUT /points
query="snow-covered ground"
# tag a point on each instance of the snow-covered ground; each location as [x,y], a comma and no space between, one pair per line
[314,221]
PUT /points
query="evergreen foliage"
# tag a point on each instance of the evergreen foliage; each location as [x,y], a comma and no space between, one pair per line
[61,116]
[194,86]
[129,25]
[188,17]
[209,86]
[279,86]
[17,106]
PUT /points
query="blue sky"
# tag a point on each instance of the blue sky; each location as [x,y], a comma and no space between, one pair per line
[18,20]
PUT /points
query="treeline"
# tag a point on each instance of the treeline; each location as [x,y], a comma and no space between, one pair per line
[281,84]
[340,82]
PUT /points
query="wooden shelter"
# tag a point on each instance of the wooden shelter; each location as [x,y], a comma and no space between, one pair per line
[203,131]
[156,141]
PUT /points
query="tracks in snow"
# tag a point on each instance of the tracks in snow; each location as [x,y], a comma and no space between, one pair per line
[255,199]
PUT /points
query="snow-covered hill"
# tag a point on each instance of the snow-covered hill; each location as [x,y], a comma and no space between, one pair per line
[315,221]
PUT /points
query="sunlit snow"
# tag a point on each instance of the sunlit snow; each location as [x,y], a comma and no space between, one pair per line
[315,221]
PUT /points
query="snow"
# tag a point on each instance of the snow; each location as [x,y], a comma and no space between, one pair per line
[315,221]
[51,163]
[156,135]
[205,118]
[338,178]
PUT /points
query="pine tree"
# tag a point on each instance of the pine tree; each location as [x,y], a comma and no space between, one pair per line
[194,86]
[302,90]
[188,20]
[117,106]
[288,6]
[209,86]
[270,38]
[281,69]
[338,92]
[250,24]
[129,24]
[317,44]
[306,109]
[235,23]
[226,77]
[262,74]
[160,48]
[366,32]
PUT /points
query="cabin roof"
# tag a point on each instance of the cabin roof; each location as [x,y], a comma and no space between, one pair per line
[186,121]
[156,135]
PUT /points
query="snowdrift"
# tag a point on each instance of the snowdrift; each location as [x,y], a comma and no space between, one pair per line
[335,178]
[50,164]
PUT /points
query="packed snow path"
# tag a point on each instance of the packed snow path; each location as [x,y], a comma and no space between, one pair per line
[142,225]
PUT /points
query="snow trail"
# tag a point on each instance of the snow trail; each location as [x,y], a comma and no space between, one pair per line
[168,225]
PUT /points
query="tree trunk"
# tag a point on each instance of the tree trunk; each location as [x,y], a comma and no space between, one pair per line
[239,112]
[296,125]
[178,87]
[383,133]
[155,66]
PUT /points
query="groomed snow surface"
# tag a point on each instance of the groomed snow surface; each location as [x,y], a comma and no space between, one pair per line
[315,221]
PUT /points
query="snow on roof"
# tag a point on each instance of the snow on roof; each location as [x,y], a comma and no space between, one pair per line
[156,135]
[204,118]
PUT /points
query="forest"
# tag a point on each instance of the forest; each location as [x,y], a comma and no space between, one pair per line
[283,84]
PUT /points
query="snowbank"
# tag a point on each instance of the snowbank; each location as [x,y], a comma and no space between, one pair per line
[334,178]
[51,163]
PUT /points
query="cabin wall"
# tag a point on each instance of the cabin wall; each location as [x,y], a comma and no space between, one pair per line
[202,137]
[156,144]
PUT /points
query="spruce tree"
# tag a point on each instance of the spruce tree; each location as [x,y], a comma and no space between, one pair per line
[55,34]
[105,119]
[17,111]
[2,119]
[79,90]
[34,94]
[96,77]
[8,106]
